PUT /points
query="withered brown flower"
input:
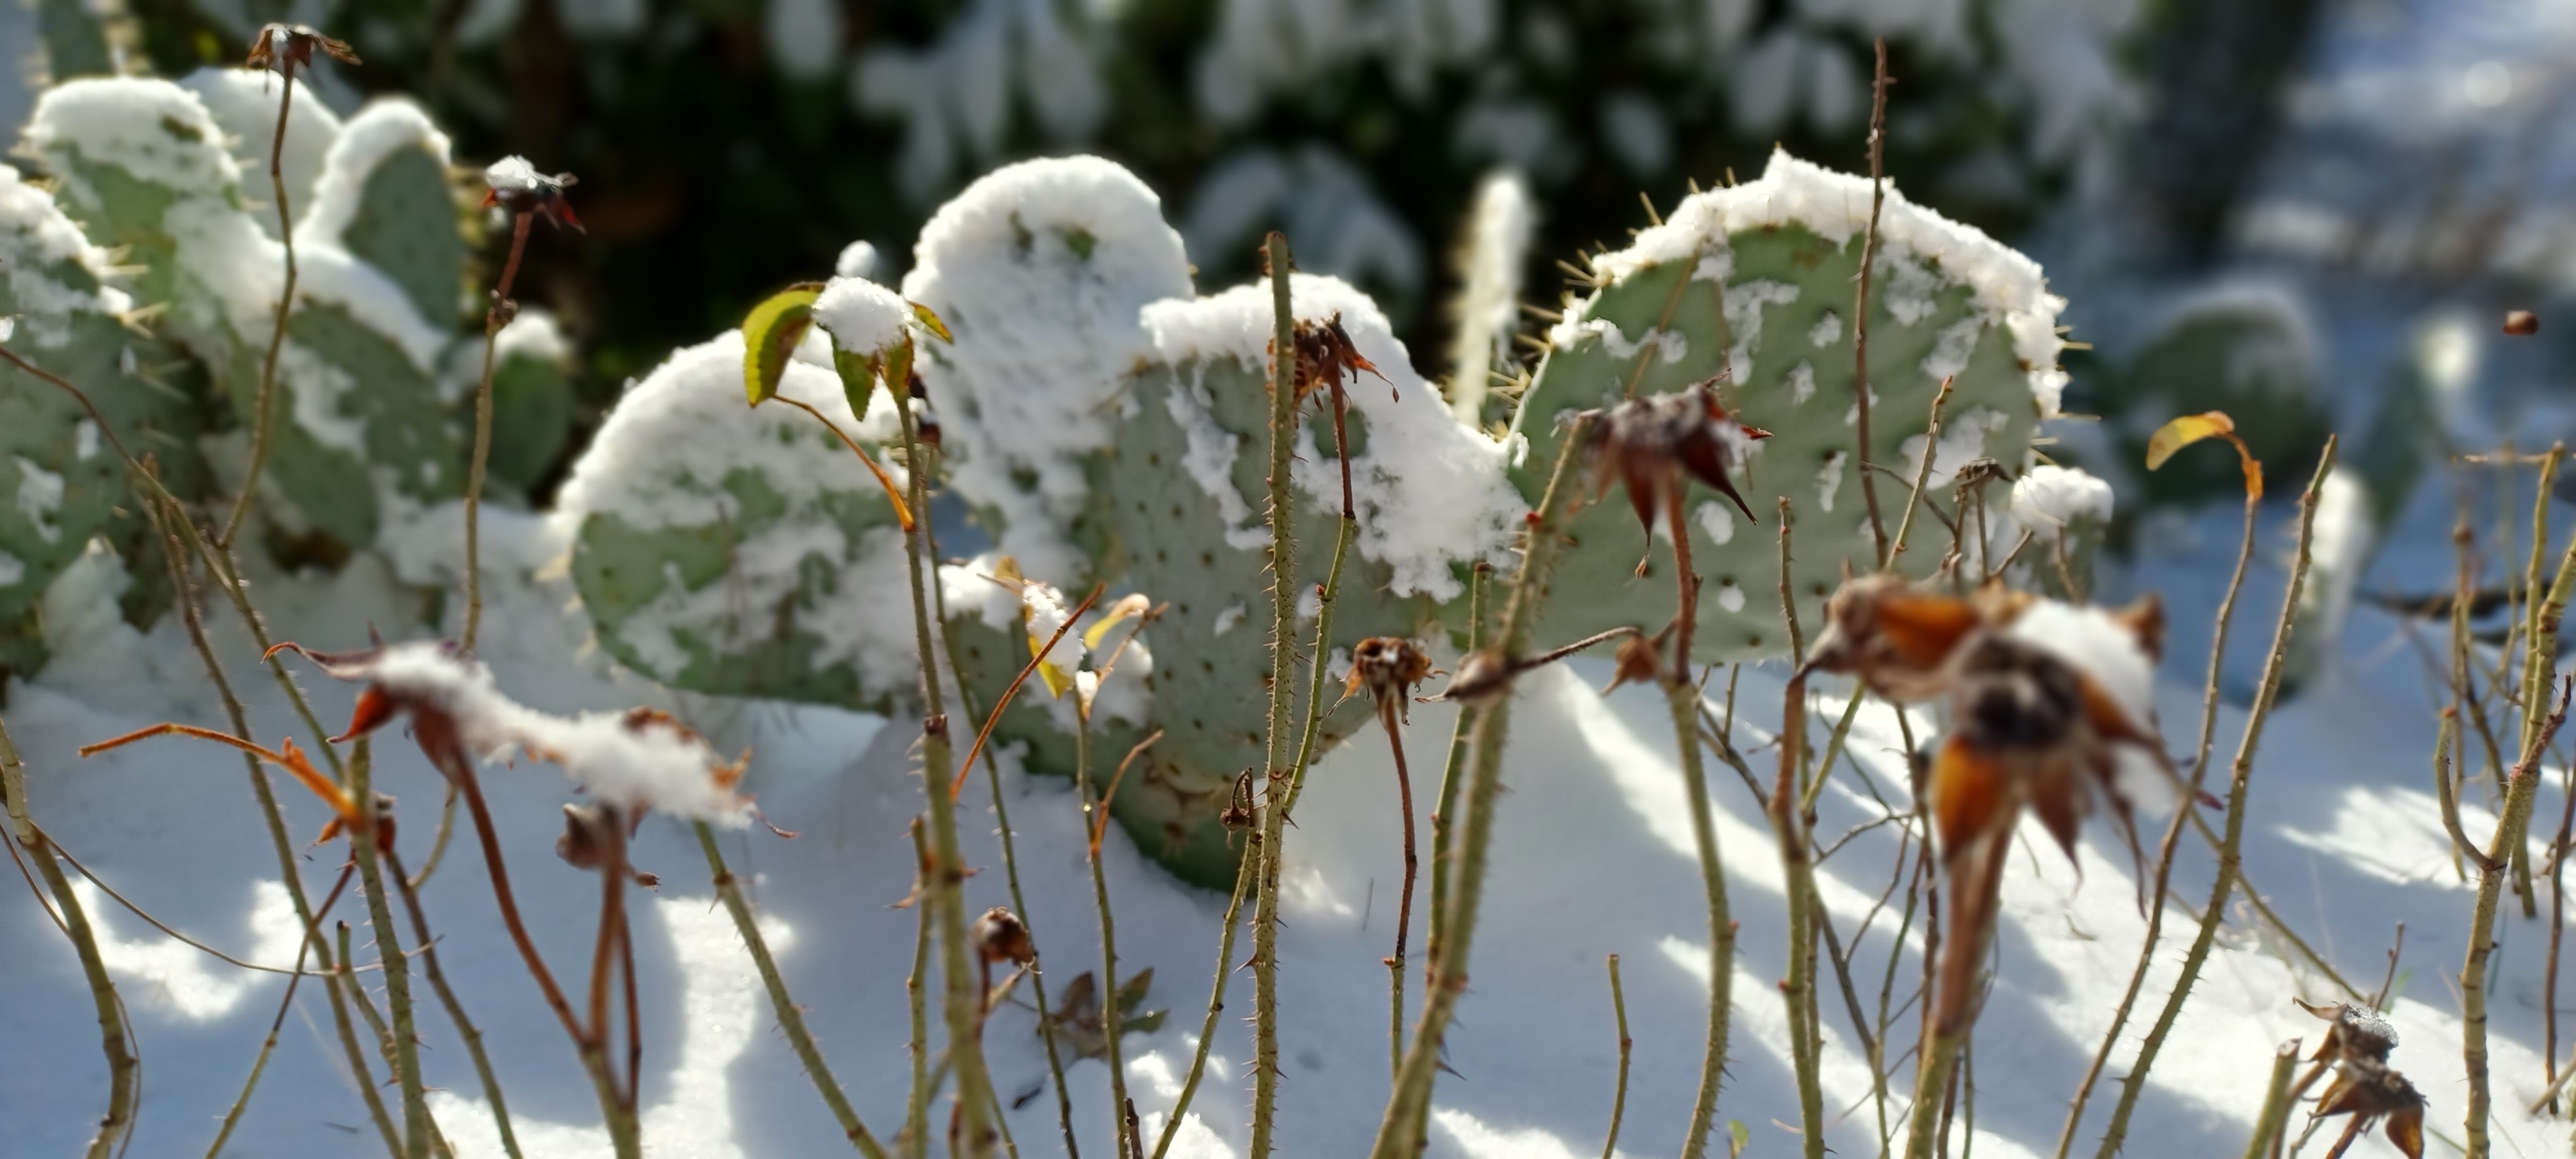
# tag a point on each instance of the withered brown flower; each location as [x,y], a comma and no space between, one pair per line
[290,46]
[1656,443]
[1325,356]
[1388,667]
[1000,936]
[1637,662]
[517,187]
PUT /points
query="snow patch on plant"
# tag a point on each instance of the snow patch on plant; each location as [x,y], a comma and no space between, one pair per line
[380,130]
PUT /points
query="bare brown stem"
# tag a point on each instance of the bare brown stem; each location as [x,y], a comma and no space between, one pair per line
[124,1066]
[493,320]
[1619,1096]
[1860,300]
[264,403]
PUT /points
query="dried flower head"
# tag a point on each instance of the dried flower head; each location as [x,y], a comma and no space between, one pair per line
[290,46]
[2356,1032]
[517,187]
[1000,936]
[1482,677]
[1325,356]
[1898,638]
[1655,444]
[1388,667]
[2370,1091]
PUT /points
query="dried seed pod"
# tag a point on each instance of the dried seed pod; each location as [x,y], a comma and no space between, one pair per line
[1656,443]
[517,187]
[1637,662]
[1325,355]
[281,45]
[2356,1033]
[2369,1091]
[1000,936]
[1389,667]
[2522,323]
[1481,678]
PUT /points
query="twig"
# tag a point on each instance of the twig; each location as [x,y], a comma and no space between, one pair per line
[389,951]
[994,716]
[384,1042]
[609,834]
[123,1065]
[1283,660]
[1397,1132]
[1619,1097]
[791,1017]
[1404,906]
[962,1001]
[438,841]
[2275,1115]
[267,1046]
[1860,303]
[1245,869]
[1932,434]
[1682,699]
[1445,805]
[2446,790]
[2379,998]
[2173,829]
[494,318]
[1799,880]
[455,1009]
[1109,1012]
[2228,862]
[2557,923]
[915,1139]
[2520,789]
[264,404]
[158,924]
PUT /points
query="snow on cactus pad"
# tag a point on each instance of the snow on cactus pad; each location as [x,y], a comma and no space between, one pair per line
[1755,282]
[743,551]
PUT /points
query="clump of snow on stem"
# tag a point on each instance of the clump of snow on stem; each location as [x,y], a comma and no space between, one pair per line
[635,760]
[1919,253]
[2047,498]
[513,174]
[862,316]
[1040,270]
[1430,493]
[2096,644]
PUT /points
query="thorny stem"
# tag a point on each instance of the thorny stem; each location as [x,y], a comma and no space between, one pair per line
[1109,1012]
[493,320]
[1036,658]
[1860,302]
[389,952]
[1619,1097]
[1243,874]
[2541,663]
[447,997]
[122,1064]
[791,1017]
[1681,696]
[1447,801]
[962,1000]
[2173,831]
[2520,789]
[167,515]
[1283,660]
[2228,861]
[915,1139]
[623,1128]
[1398,1136]
[375,1025]
[2275,1116]
[1799,875]
[267,1046]
[264,404]
[2557,923]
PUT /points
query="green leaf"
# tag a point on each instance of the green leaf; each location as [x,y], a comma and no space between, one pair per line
[1742,1138]
[771,333]
[929,319]
[858,379]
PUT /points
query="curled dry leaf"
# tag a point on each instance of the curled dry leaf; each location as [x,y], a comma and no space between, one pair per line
[2188,429]
[633,761]
[1000,936]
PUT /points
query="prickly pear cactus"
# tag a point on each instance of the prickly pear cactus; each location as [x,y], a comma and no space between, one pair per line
[61,483]
[1755,283]
[743,552]
[531,396]
[144,165]
[2248,349]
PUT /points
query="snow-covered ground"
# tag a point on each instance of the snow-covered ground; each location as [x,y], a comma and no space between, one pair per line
[1593,857]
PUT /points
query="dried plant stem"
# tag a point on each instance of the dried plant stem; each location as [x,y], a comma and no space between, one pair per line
[1243,875]
[1109,1012]
[2228,861]
[156,923]
[2275,1116]
[169,518]
[1277,771]
[1404,907]
[2520,789]
[963,1000]
[624,1129]
[1799,874]
[264,404]
[1681,696]
[1446,804]
[384,1041]
[791,1017]
[123,1065]
[389,953]
[438,841]
[473,1038]
[2557,923]
[493,320]
[1399,1132]
[1618,1097]
[2173,831]
[267,1046]
[1860,303]
[1932,434]
[915,1139]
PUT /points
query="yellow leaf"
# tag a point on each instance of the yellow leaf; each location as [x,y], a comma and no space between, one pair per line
[1056,676]
[2188,429]
[1128,606]
[770,333]
[930,320]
